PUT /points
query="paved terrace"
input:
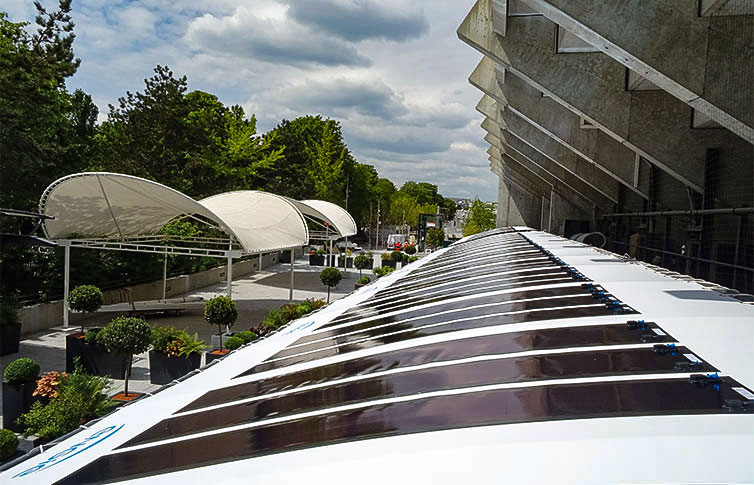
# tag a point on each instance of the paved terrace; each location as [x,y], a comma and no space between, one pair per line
[255,295]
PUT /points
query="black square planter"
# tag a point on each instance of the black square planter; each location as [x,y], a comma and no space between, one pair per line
[347,261]
[164,369]
[10,335]
[17,399]
[316,260]
[387,262]
[97,360]
[74,347]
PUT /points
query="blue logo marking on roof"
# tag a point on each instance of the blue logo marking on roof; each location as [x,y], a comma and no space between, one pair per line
[72,450]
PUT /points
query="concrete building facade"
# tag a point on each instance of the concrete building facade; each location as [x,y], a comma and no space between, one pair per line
[629,117]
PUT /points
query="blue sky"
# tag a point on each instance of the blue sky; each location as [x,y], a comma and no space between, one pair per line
[393,72]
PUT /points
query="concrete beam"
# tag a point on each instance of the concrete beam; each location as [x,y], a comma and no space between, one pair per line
[705,62]
[598,149]
[489,108]
[485,79]
[653,124]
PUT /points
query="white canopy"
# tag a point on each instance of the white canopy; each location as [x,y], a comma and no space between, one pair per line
[111,205]
[333,214]
[264,221]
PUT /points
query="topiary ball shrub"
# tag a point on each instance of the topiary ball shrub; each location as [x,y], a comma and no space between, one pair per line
[233,343]
[410,250]
[8,443]
[364,280]
[91,335]
[247,336]
[126,336]
[86,298]
[219,311]
[362,261]
[396,256]
[330,277]
[21,371]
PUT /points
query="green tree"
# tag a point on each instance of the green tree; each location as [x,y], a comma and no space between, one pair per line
[330,277]
[328,156]
[424,192]
[85,299]
[220,310]
[362,261]
[126,336]
[481,217]
[435,237]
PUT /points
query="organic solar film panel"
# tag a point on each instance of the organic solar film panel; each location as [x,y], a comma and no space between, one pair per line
[461,304]
[505,343]
[477,257]
[471,267]
[405,332]
[490,407]
[437,286]
[447,377]
[400,302]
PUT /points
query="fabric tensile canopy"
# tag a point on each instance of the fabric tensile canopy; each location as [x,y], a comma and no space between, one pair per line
[336,216]
[111,205]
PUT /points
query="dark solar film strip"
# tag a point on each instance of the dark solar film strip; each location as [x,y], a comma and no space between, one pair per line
[458,304]
[471,266]
[498,267]
[493,254]
[365,329]
[481,373]
[492,272]
[406,301]
[505,343]
[504,406]
[405,332]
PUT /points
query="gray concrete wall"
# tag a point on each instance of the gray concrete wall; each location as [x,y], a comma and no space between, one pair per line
[42,316]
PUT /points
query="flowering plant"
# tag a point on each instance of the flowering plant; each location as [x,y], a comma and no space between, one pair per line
[49,384]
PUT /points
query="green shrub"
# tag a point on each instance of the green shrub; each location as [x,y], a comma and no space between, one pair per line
[316,303]
[247,336]
[289,311]
[233,343]
[380,272]
[364,280]
[435,237]
[330,277]
[85,299]
[413,258]
[21,370]
[362,261]
[189,344]
[410,249]
[385,256]
[321,252]
[161,337]
[9,312]
[82,397]
[404,259]
[8,443]
[220,310]
[396,256]
[91,335]
[126,336]
[304,309]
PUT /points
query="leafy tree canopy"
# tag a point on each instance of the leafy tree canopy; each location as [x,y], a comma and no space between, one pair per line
[481,217]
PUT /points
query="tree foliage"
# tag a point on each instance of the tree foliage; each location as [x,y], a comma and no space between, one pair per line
[435,237]
[481,217]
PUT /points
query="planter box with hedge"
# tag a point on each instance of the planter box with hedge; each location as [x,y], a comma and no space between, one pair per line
[97,360]
[20,381]
[174,354]
[316,260]
[232,343]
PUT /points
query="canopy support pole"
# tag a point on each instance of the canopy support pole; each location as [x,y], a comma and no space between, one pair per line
[290,291]
[260,261]
[66,281]
[164,276]
[229,270]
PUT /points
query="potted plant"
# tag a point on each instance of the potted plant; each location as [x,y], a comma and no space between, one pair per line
[380,272]
[363,261]
[330,277]
[318,258]
[74,400]
[10,326]
[361,282]
[20,380]
[174,354]
[97,360]
[8,445]
[410,250]
[220,310]
[84,299]
[126,336]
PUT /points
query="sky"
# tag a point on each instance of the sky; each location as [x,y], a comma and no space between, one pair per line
[393,72]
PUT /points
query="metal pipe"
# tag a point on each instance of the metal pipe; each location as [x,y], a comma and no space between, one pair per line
[290,292]
[699,212]
[164,276]
[66,282]
[692,258]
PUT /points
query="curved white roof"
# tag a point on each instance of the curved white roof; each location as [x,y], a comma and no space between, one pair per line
[264,221]
[334,215]
[102,204]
